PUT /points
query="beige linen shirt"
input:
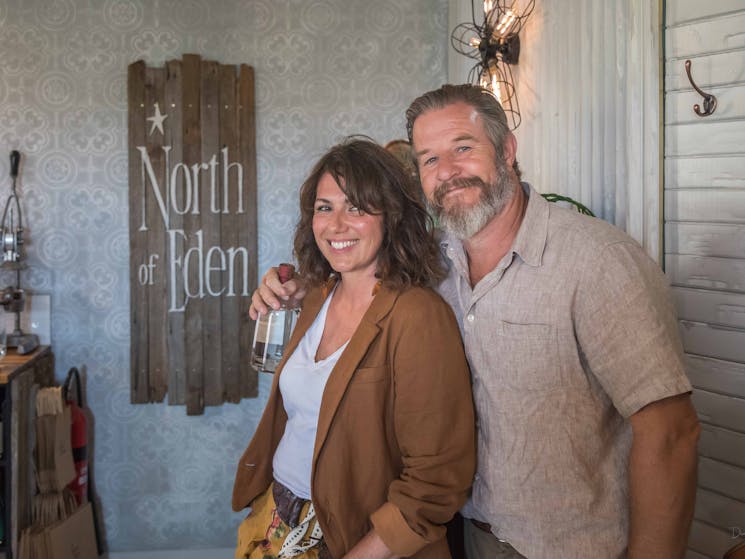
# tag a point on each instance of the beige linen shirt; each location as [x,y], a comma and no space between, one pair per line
[570,334]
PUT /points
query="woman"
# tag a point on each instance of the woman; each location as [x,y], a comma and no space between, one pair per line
[366,447]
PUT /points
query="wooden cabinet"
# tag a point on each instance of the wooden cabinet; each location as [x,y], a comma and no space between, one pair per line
[18,375]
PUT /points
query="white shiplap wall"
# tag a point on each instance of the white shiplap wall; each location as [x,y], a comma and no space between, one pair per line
[705,248]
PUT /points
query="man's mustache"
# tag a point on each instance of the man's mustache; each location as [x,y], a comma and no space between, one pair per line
[463,182]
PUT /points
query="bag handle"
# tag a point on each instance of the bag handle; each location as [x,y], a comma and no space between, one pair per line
[73,373]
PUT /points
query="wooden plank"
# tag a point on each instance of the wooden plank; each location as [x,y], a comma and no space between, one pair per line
[706,239]
[156,286]
[720,34]
[706,272]
[718,342]
[713,307]
[139,384]
[722,444]
[730,104]
[681,11]
[708,70]
[704,138]
[230,183]
[718,510]
[175,320]
[192,153]
[708,539]
[248,232]
[723,478]
[699,172]
[210,214]
[716,375]
[720,409]
[705,204]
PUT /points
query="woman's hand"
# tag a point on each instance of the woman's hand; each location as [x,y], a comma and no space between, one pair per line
[370,547]
[271,293]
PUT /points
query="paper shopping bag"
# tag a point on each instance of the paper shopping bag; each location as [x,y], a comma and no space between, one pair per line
[74,537]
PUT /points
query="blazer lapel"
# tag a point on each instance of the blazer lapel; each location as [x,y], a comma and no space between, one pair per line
[350,358]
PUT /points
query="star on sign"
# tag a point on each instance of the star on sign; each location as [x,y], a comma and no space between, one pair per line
[157,120]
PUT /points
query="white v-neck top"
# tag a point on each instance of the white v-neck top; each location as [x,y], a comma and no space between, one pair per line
[301,384]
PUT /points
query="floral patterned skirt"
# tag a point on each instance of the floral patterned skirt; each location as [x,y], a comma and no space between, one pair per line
[264,531]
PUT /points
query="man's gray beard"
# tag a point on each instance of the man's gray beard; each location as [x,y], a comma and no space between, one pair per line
[464,221]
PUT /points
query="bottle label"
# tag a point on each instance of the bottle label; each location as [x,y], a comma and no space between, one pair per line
[277,328]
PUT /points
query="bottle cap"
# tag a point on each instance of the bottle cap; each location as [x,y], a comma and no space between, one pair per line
[285,271]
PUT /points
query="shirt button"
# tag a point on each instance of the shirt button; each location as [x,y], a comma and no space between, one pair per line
[470,318]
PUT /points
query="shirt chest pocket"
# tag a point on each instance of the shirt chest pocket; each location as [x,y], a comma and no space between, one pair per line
[527,356]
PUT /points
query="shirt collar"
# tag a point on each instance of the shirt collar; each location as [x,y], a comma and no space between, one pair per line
[530,241]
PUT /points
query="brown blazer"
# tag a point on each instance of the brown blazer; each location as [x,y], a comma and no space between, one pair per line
[395,446]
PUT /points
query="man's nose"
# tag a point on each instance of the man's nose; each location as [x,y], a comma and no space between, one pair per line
[447,168]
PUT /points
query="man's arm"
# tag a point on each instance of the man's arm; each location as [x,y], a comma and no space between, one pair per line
[271,290]
[662,477]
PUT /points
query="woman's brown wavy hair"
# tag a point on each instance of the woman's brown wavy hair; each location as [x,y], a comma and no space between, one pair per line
[375,182]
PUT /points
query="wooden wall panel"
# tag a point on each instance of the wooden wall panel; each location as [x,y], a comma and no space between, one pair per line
[706,239]
[706,272]
[718,375]
[717,172]
[157,334]
[709,538]
[193,231]
[722,444]
[682,11]
[705,247]
[140,381]
[706,36]
[704,204]
[212,118]
[175,320]
[249,382]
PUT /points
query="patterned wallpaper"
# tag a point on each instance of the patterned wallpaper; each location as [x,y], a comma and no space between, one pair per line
[324,69]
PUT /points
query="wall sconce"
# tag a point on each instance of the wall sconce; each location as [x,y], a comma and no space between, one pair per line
[495,43]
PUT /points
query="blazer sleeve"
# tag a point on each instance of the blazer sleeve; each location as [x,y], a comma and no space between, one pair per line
[433,420]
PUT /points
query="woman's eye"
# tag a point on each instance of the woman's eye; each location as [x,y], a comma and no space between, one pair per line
[355,210]
[321,208]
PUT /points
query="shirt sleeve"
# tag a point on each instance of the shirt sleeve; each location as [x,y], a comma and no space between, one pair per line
[627,328]
[434,424]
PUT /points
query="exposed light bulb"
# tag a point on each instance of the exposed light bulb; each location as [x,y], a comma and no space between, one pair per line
[488,6]
[489,81]
[475,42]
[506,22]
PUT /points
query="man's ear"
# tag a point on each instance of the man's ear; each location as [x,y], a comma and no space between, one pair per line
[509,149]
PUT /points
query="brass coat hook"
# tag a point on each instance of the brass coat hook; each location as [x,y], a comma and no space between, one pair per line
[710,102]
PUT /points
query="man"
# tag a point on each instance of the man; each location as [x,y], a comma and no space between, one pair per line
[587,436]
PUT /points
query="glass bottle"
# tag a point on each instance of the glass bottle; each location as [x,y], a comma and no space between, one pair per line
[273,330]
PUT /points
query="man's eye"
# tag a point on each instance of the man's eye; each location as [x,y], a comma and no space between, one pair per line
[463,148]
[429,161]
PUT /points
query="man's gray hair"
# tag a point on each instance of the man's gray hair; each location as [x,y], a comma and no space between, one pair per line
[481,99]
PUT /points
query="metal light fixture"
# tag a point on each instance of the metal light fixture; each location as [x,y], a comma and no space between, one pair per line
[13,298]
[495,43]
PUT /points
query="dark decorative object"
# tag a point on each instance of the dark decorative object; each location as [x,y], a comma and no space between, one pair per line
[495,43]
[13,299]
[710,102]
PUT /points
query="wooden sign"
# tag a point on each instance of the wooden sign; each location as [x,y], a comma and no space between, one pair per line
[192,230]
